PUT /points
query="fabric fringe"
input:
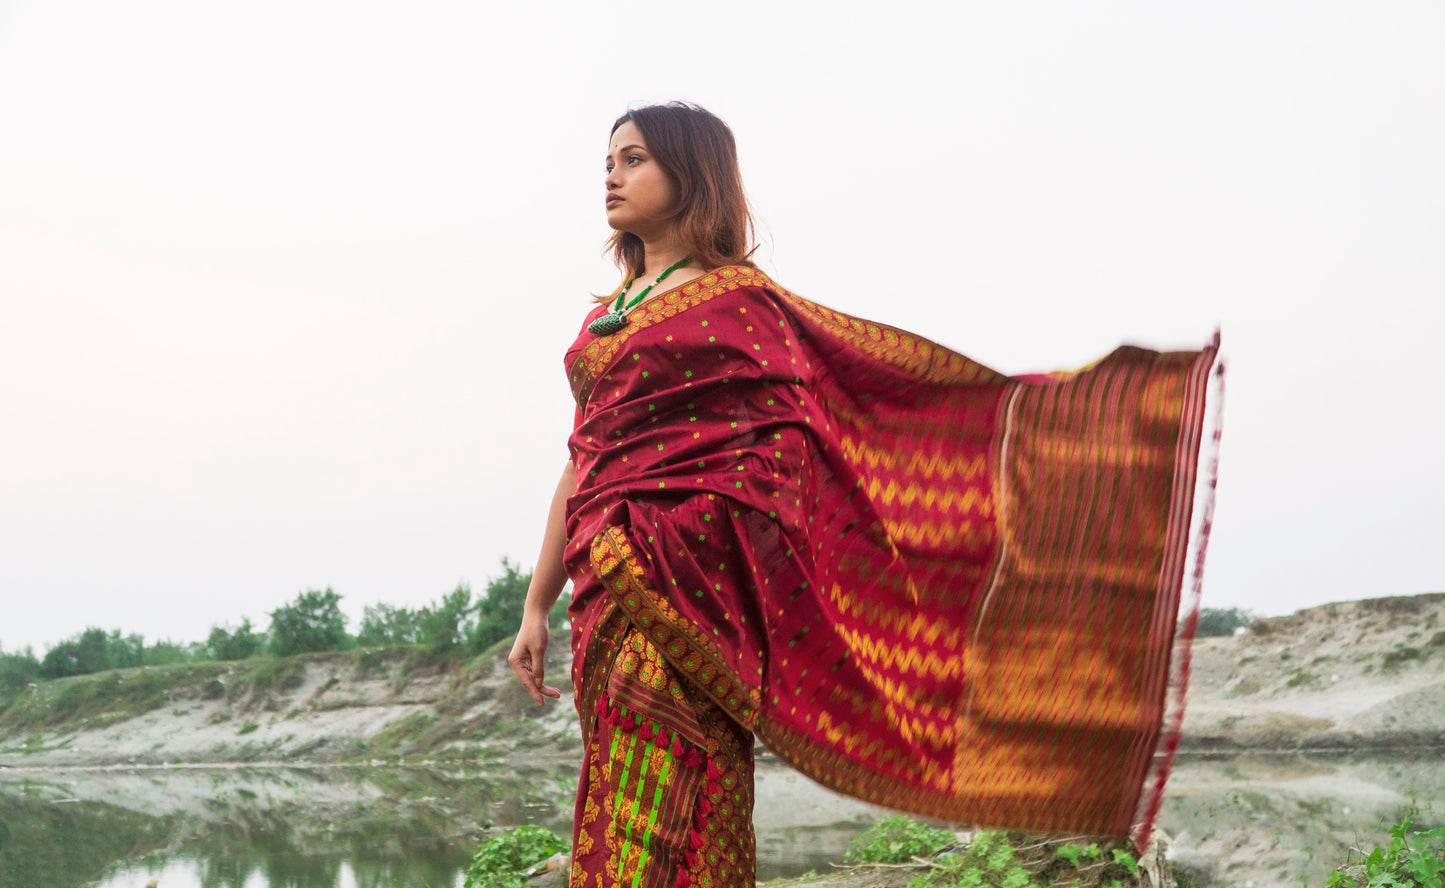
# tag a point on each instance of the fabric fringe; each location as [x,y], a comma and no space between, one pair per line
[687,754]
[1171,730]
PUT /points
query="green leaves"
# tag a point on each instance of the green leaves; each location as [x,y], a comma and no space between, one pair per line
[994,859]
[498,863]
[313,622]
[897,839]
[224,644]
[1074,853]
[1222,621]
[1412,859]
[1126,860]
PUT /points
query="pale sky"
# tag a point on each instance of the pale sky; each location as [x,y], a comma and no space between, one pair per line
[285,286]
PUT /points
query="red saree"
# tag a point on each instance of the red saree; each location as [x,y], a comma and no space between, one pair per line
[918,581]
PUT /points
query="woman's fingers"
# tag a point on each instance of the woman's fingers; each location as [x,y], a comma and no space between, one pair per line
[521,660]
[537,675]
[528,659]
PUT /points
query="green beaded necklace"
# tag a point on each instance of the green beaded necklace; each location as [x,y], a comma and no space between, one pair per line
[614,320]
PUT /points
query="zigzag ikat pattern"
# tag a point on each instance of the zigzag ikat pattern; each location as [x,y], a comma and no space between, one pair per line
[919,581]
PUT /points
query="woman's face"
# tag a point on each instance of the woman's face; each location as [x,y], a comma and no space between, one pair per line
[639,193]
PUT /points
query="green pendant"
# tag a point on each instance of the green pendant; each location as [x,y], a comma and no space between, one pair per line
[606,325]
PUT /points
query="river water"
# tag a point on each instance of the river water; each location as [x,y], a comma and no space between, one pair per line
[1252,821]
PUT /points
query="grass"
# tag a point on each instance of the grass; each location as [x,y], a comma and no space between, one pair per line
[1302,679]
[272,677]
[248,687]
[89,701]
[1399,656]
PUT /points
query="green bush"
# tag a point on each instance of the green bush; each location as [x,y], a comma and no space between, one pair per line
[383,625]
[988,860]
[499,612]
[169,653]
[994,859]
[1411,860]
[313,622]
[241,644]
[442,626]
[897,839]
[498,863]
[93,650]
[1398,656]
[17,671]
[1215,622]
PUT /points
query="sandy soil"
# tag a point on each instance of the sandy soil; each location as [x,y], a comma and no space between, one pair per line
[1355,675]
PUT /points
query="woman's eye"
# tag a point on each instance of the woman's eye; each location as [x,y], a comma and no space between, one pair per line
[609,168]
[634,159]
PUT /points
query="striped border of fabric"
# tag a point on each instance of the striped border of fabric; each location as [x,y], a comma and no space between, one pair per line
[1152,796]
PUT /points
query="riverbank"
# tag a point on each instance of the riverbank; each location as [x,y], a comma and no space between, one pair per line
[389,705]
[1363,675]
[1344,677]
[1303,735]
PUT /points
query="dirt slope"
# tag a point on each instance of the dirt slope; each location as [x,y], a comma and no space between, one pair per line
[1356,675]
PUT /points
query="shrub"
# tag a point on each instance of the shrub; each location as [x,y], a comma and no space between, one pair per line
[1411,860]
[1215,622]
[93,650]
[313,622]
[994,859]
[383,625]
[168,653]
[443,626]
[17,671]
[499,612]
[897,839]
[1398,656]
[498,863]
[987,860]
[241,644]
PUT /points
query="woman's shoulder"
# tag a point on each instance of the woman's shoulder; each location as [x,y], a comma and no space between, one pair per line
[730,283]
[734,277]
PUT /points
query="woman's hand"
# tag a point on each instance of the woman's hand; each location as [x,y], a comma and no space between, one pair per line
[529,658]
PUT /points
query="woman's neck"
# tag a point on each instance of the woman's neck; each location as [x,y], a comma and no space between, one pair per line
[659,254]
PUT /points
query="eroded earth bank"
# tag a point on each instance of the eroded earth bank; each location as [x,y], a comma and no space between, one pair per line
[1303,736]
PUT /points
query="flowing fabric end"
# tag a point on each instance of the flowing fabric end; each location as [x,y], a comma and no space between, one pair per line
[1171,731]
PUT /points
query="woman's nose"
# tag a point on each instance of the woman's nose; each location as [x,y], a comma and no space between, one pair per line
[613,181]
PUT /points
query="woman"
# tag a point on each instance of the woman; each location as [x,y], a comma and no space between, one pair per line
[919,581]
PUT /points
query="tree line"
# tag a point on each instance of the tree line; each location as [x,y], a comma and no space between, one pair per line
[314,622]
[311,622]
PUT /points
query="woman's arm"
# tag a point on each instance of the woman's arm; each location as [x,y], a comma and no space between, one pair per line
[529,653]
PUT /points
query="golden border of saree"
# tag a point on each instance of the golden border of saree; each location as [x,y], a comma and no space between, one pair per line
[591,366]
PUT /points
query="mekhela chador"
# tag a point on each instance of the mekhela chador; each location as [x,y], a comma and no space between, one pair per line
[919,581]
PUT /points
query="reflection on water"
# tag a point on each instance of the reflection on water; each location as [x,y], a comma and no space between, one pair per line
[257,827]
[321,827]
[1270,820]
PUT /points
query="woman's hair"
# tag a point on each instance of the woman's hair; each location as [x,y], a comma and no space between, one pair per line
[697,151]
